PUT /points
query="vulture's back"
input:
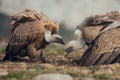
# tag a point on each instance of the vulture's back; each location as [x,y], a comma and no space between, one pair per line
[25,31]
[104,50]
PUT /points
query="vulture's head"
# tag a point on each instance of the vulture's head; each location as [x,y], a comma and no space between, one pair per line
[74,45]
[53,38]
[78,34]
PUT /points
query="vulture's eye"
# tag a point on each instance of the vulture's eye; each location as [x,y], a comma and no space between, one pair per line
[57,38]
[53,32]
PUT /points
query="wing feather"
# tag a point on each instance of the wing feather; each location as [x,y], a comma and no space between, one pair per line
[105,49]
[28,32]
[22,35]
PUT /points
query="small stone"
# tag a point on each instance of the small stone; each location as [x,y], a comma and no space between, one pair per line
[23,66]
[53,77]
[111,67]
[108,71]
[85,71]
[99,72]
[116,77]
[88,79]
[3,73]
[32,70]
[105,71]
[48,65]
[76,78]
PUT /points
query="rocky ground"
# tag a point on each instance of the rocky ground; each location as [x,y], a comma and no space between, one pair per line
[57,64]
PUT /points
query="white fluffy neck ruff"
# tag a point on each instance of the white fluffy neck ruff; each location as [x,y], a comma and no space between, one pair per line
[47,35]
[78,34]
[79,43]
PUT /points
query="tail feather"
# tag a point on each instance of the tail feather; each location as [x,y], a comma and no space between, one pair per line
[112,57]
[12,51]
[117,59]
[100,59]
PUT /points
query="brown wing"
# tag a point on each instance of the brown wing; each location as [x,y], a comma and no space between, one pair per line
[90,33]
[22,35]
[27,32]
[96,20]
[105,49]
[100,20]
[25,16]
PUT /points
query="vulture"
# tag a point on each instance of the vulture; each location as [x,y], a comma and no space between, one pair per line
[75,44]
[31,33]
[101,34]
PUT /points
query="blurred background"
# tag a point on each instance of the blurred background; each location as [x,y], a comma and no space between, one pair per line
[68,13]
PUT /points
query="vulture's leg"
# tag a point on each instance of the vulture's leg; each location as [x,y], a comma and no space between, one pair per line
[34,54]
[22,53]
[41,57]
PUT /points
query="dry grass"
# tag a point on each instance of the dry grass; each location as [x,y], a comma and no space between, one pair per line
[56,63]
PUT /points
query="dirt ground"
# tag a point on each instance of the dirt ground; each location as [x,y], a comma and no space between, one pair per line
[54,60]
[57,64]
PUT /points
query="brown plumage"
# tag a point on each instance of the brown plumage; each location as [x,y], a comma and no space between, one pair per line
[96,23]
[28,34]
[90,33]
[104,47]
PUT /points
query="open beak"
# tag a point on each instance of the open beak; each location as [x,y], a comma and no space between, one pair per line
[67,51]
[58,40]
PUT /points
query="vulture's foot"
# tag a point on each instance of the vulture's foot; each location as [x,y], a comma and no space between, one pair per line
[42,58]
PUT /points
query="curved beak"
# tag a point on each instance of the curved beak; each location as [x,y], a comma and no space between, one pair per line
[67,51]
[58,40]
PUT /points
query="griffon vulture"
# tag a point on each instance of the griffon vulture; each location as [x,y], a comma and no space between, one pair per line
[75,44]
[101,33]
[31,33]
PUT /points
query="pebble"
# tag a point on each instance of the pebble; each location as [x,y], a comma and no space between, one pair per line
[106,71]
[3,73]
[87,79]
[53,77]
[85,71]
